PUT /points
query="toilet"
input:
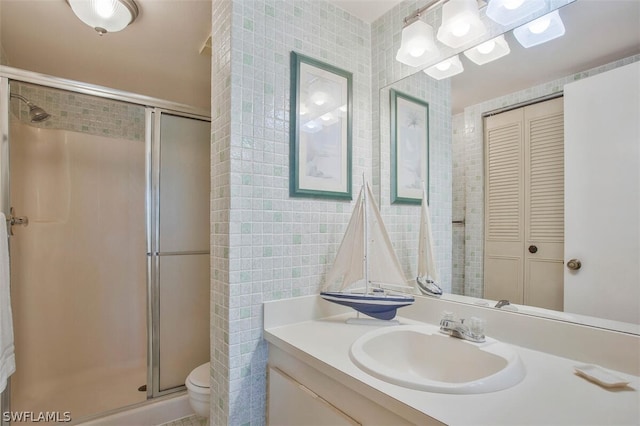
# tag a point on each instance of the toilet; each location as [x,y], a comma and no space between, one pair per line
[198,388]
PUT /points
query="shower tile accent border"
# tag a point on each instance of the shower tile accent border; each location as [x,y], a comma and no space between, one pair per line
[80,113]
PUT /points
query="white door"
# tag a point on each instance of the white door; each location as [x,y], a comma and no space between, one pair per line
[602,195]
[525,205]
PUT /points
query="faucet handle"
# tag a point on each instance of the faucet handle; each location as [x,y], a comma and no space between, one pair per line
[476,325]
[448,316]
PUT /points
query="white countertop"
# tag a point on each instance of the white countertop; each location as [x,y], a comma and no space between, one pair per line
[551,392]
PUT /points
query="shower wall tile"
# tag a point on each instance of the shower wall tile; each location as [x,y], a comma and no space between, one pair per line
[80,113]
[471,174]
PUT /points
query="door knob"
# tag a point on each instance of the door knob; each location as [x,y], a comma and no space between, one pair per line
[574,264]
[533,249]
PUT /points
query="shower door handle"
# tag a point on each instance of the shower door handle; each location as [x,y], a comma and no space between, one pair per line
[16,220]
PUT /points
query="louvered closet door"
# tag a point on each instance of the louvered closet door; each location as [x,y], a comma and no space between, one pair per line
[544,205]
[504,192]
[524,205]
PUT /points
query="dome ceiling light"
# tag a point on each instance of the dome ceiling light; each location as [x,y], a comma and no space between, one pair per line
[105,16]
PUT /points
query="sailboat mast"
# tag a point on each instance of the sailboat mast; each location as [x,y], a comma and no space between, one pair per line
[365,260]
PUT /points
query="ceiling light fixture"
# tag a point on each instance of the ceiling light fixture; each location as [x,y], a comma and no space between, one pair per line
[447,68]
[488,51]
[460,23]
[541,30]
[105,16]
[507,12]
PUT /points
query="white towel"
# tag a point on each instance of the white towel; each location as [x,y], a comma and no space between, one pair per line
[7,356]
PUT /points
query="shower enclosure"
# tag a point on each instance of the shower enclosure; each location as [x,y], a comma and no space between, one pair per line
[107,199]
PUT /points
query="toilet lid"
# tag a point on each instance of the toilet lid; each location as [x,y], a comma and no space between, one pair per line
[200,376]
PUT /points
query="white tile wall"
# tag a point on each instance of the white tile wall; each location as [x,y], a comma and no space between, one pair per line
[220,209]
[276,246]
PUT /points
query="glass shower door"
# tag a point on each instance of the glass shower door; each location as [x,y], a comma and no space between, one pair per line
[180,250]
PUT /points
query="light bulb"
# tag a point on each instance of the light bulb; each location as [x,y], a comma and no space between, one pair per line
[326,117]
[303,109]
[540,25]
[444,65]
[512,4]
[104,8]
[487,47]
[343,108]
[460,28]
[416,51]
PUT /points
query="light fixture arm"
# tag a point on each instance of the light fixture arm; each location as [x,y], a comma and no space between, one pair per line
[410,19]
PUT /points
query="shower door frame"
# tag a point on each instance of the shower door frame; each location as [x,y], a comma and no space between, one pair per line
[152,106]
[153,122]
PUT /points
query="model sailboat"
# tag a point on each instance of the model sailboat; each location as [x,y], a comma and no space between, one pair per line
[366,265]
[427,273]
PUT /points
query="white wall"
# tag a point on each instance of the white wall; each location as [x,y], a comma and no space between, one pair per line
[602,195]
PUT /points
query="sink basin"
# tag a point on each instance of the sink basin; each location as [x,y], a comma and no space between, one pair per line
[420,357]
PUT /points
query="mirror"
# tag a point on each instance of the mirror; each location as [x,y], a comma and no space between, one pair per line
[456,105]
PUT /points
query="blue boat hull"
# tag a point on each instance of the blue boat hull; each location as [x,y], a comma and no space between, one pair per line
[383,307]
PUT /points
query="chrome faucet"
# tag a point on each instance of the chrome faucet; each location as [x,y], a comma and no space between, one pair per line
[472,331]
[502,303]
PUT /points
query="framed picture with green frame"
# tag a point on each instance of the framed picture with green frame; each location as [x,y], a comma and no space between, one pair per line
[320,129]
[409,148]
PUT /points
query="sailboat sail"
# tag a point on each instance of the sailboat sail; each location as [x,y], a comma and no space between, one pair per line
[384,266]
[348,267]
[366,257]
[427,272]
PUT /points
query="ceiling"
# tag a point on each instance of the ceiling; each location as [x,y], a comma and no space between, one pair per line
[159,55]
[597,32]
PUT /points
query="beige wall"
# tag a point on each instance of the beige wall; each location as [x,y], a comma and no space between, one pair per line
[79,266]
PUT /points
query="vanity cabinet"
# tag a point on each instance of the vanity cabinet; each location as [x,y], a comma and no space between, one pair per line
[292,403]
[301,395]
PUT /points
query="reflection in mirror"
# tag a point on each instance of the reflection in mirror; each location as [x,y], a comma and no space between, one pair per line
[522,76]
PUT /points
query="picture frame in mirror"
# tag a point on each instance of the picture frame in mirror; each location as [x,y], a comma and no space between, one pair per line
[409,148]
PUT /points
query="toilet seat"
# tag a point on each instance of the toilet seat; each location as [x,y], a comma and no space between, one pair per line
[198,379]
